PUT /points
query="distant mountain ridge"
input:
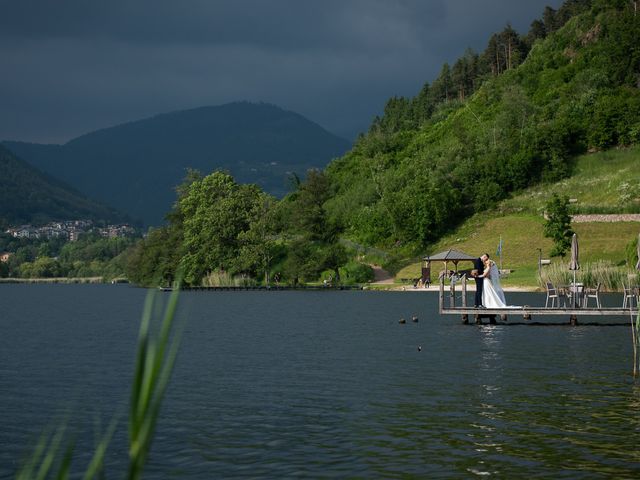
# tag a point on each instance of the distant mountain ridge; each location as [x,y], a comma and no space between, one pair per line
[135,166]
[28,195]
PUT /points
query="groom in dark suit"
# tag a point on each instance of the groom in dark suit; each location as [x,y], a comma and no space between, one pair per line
[478,265]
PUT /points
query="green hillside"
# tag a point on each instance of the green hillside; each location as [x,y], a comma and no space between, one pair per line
[596,182]
[444,155]
[28,195]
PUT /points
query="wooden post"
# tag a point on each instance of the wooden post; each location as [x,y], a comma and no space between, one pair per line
[465,317]
[464,291]
[452,300]
[441,295]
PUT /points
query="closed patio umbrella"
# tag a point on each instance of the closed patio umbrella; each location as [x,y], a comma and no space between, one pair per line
[574,264]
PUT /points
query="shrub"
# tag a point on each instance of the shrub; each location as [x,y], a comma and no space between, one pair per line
[356,272]
[220,278]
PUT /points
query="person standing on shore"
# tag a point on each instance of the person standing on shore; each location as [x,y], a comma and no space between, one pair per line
[478,266]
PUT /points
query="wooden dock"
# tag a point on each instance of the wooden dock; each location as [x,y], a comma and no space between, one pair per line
[527,312]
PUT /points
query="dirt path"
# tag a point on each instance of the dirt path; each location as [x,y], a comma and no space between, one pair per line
[624,217]
[381,276]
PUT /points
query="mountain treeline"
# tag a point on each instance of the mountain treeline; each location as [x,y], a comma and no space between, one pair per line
[527,105]
[505,50]
[492,124]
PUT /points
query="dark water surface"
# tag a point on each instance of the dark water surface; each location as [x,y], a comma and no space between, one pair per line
[322,384]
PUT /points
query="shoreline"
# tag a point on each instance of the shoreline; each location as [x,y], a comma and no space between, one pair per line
[383,287]
[61,280]
[470,288]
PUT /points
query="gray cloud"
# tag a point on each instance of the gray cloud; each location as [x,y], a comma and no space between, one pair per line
[74,66]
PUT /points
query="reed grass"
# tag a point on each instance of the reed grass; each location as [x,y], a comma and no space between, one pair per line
[610,277]
[224,279]
[155,358]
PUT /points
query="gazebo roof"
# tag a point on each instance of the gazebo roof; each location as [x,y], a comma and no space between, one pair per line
[450,255]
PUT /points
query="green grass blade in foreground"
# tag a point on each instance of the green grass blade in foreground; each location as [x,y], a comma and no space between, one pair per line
[96,464]
[65,465]
[152,374]
[154,365]
[41,463]
[141,354]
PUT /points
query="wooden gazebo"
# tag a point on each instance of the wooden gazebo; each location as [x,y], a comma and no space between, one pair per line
[451,255]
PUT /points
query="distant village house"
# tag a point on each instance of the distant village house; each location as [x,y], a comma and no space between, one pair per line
[69,229]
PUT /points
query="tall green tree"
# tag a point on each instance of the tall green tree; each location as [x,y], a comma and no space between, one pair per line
[216,211]
[309,215]
[315,246]
[260,244]
[558,225]
[442,87]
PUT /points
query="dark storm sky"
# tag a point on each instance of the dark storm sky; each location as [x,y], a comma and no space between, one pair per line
[68,67]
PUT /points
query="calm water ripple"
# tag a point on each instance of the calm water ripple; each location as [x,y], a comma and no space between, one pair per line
[322,385]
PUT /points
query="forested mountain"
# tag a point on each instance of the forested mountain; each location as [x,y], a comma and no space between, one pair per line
[28,195]
[135,166]
[494,123]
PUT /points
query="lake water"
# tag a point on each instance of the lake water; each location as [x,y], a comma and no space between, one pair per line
[321,385]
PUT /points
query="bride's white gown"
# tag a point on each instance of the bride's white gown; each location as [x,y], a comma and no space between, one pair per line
[492,294]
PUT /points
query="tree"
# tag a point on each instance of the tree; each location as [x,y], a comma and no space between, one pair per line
[441,88]
[216,211]
[459,78]
[536,31]
[397,115]
[310,217]
[549,20]
[154,259]
[558,225]
[421,106]
[259,242]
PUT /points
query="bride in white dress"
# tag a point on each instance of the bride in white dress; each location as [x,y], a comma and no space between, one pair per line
[492,294]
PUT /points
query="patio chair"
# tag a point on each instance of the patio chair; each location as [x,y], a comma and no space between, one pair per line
[552,294]
[592,293]
[629,297]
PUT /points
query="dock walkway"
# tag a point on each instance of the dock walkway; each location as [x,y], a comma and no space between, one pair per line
[527,312]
